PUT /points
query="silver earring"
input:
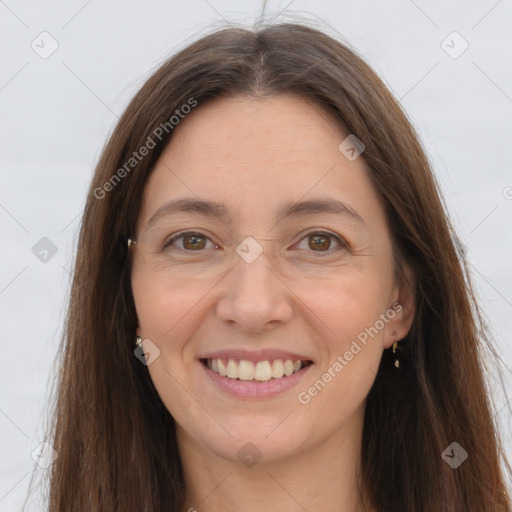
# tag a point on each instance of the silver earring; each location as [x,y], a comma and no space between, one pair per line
[138,341]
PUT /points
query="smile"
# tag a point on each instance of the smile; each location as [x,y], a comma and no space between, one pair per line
[242,378]
[261,371]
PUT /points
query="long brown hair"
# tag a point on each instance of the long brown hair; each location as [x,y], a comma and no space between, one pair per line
[114,437]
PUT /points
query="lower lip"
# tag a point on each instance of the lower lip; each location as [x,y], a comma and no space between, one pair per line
[253,389]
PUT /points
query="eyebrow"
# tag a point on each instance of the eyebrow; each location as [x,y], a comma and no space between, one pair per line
[286,210]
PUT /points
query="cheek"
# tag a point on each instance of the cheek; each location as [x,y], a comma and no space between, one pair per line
[164,306]
[352,348]
[167,315]
[347,306]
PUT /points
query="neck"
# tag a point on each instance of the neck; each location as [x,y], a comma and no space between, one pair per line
[323,477]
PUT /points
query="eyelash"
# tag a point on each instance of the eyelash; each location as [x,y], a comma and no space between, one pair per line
[342,244]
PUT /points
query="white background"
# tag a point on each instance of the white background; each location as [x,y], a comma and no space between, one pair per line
[56,113]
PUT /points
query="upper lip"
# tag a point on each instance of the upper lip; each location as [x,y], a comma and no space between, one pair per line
[259,355]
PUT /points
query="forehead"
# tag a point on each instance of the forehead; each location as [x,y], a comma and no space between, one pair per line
[274,129]
[254,153]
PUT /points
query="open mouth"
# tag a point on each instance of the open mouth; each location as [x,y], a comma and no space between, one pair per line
[260,371]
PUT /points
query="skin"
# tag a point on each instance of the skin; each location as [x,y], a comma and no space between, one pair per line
[253,154]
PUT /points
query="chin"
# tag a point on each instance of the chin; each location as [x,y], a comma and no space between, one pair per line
[255,439]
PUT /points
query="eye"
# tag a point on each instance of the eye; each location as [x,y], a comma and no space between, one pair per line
[190,241]
[321,242]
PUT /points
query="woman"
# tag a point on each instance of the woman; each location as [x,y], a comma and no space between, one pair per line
[269,307]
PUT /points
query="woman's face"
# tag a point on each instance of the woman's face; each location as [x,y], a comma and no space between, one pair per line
[293,264]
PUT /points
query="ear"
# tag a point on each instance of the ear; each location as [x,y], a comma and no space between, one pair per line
[404,306]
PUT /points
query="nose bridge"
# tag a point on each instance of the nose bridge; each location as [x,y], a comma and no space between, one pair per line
[254,296]
[255,274]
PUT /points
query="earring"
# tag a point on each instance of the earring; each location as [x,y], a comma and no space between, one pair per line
[396,351]
[138,341]
[131,242]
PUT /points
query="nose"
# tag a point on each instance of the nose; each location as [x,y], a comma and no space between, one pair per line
[254,297]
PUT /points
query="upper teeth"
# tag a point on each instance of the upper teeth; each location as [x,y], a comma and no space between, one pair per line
[247,370]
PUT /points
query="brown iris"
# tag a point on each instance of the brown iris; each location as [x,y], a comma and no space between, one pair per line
[194,242]
[321,242]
